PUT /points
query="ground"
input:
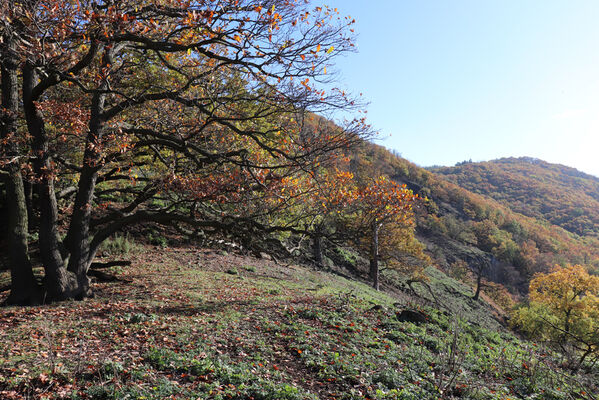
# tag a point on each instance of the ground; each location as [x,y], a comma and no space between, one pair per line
[193,323]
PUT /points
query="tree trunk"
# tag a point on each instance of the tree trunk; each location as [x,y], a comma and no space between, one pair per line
[479,279]
[29,201]
[78,236]
[24,288]
[374,256]
[58,284]
[317,246]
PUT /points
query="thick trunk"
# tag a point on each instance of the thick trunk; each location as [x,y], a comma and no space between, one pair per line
[59,285]
[374,256]
[24,288]
[78,237]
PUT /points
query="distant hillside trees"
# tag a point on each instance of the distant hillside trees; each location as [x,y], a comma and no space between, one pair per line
[561,195]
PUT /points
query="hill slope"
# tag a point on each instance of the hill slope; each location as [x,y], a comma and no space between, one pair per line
[561,195]
[200,323]
[464,228]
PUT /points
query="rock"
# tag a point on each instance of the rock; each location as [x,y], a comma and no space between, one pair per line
[414,316]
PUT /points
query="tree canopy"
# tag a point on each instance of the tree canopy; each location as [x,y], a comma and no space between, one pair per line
[564,310]
[198,114]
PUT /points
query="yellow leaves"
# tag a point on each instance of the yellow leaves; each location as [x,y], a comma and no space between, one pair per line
[564,288]
[318,48]
[331,49]
[564,306]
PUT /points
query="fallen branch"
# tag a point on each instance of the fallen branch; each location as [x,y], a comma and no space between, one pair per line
[103,276]
[410,282]
[104,265]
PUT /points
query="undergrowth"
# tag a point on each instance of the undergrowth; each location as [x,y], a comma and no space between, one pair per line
[188,328]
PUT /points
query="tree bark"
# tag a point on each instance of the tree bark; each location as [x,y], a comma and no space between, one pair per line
[29,201]
[58,284]
[78,236]
[317,246]
[374,256]
[24,288]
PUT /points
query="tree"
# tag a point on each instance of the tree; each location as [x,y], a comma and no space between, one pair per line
[384,221]
[332,193]
[23,283]
[479,269]
[177,112]
[564,310]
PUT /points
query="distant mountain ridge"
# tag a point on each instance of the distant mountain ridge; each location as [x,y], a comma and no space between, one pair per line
[556,193]
[512,217]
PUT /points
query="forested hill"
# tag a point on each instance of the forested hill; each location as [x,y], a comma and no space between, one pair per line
[561,195]
[507,236]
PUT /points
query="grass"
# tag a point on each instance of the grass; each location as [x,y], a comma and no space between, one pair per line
[188,328]
[118,245]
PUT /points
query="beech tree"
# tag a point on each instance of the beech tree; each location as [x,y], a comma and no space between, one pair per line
[331,196]
[187,113]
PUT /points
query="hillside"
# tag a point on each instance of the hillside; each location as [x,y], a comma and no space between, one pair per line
[561,195]
[463,228]
[187,322]
[182,221]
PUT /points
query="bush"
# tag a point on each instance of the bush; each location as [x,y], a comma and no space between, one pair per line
[118,245]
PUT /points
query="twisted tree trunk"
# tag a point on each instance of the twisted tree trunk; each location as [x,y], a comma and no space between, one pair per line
[58,283]
[24,288]
[317,246]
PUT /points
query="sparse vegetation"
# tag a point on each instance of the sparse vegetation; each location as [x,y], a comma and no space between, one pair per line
[118,245]
[199,332]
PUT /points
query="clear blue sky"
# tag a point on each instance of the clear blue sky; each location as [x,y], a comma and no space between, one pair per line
[450,80]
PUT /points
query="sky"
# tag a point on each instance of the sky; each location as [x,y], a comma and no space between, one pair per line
[453,80]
